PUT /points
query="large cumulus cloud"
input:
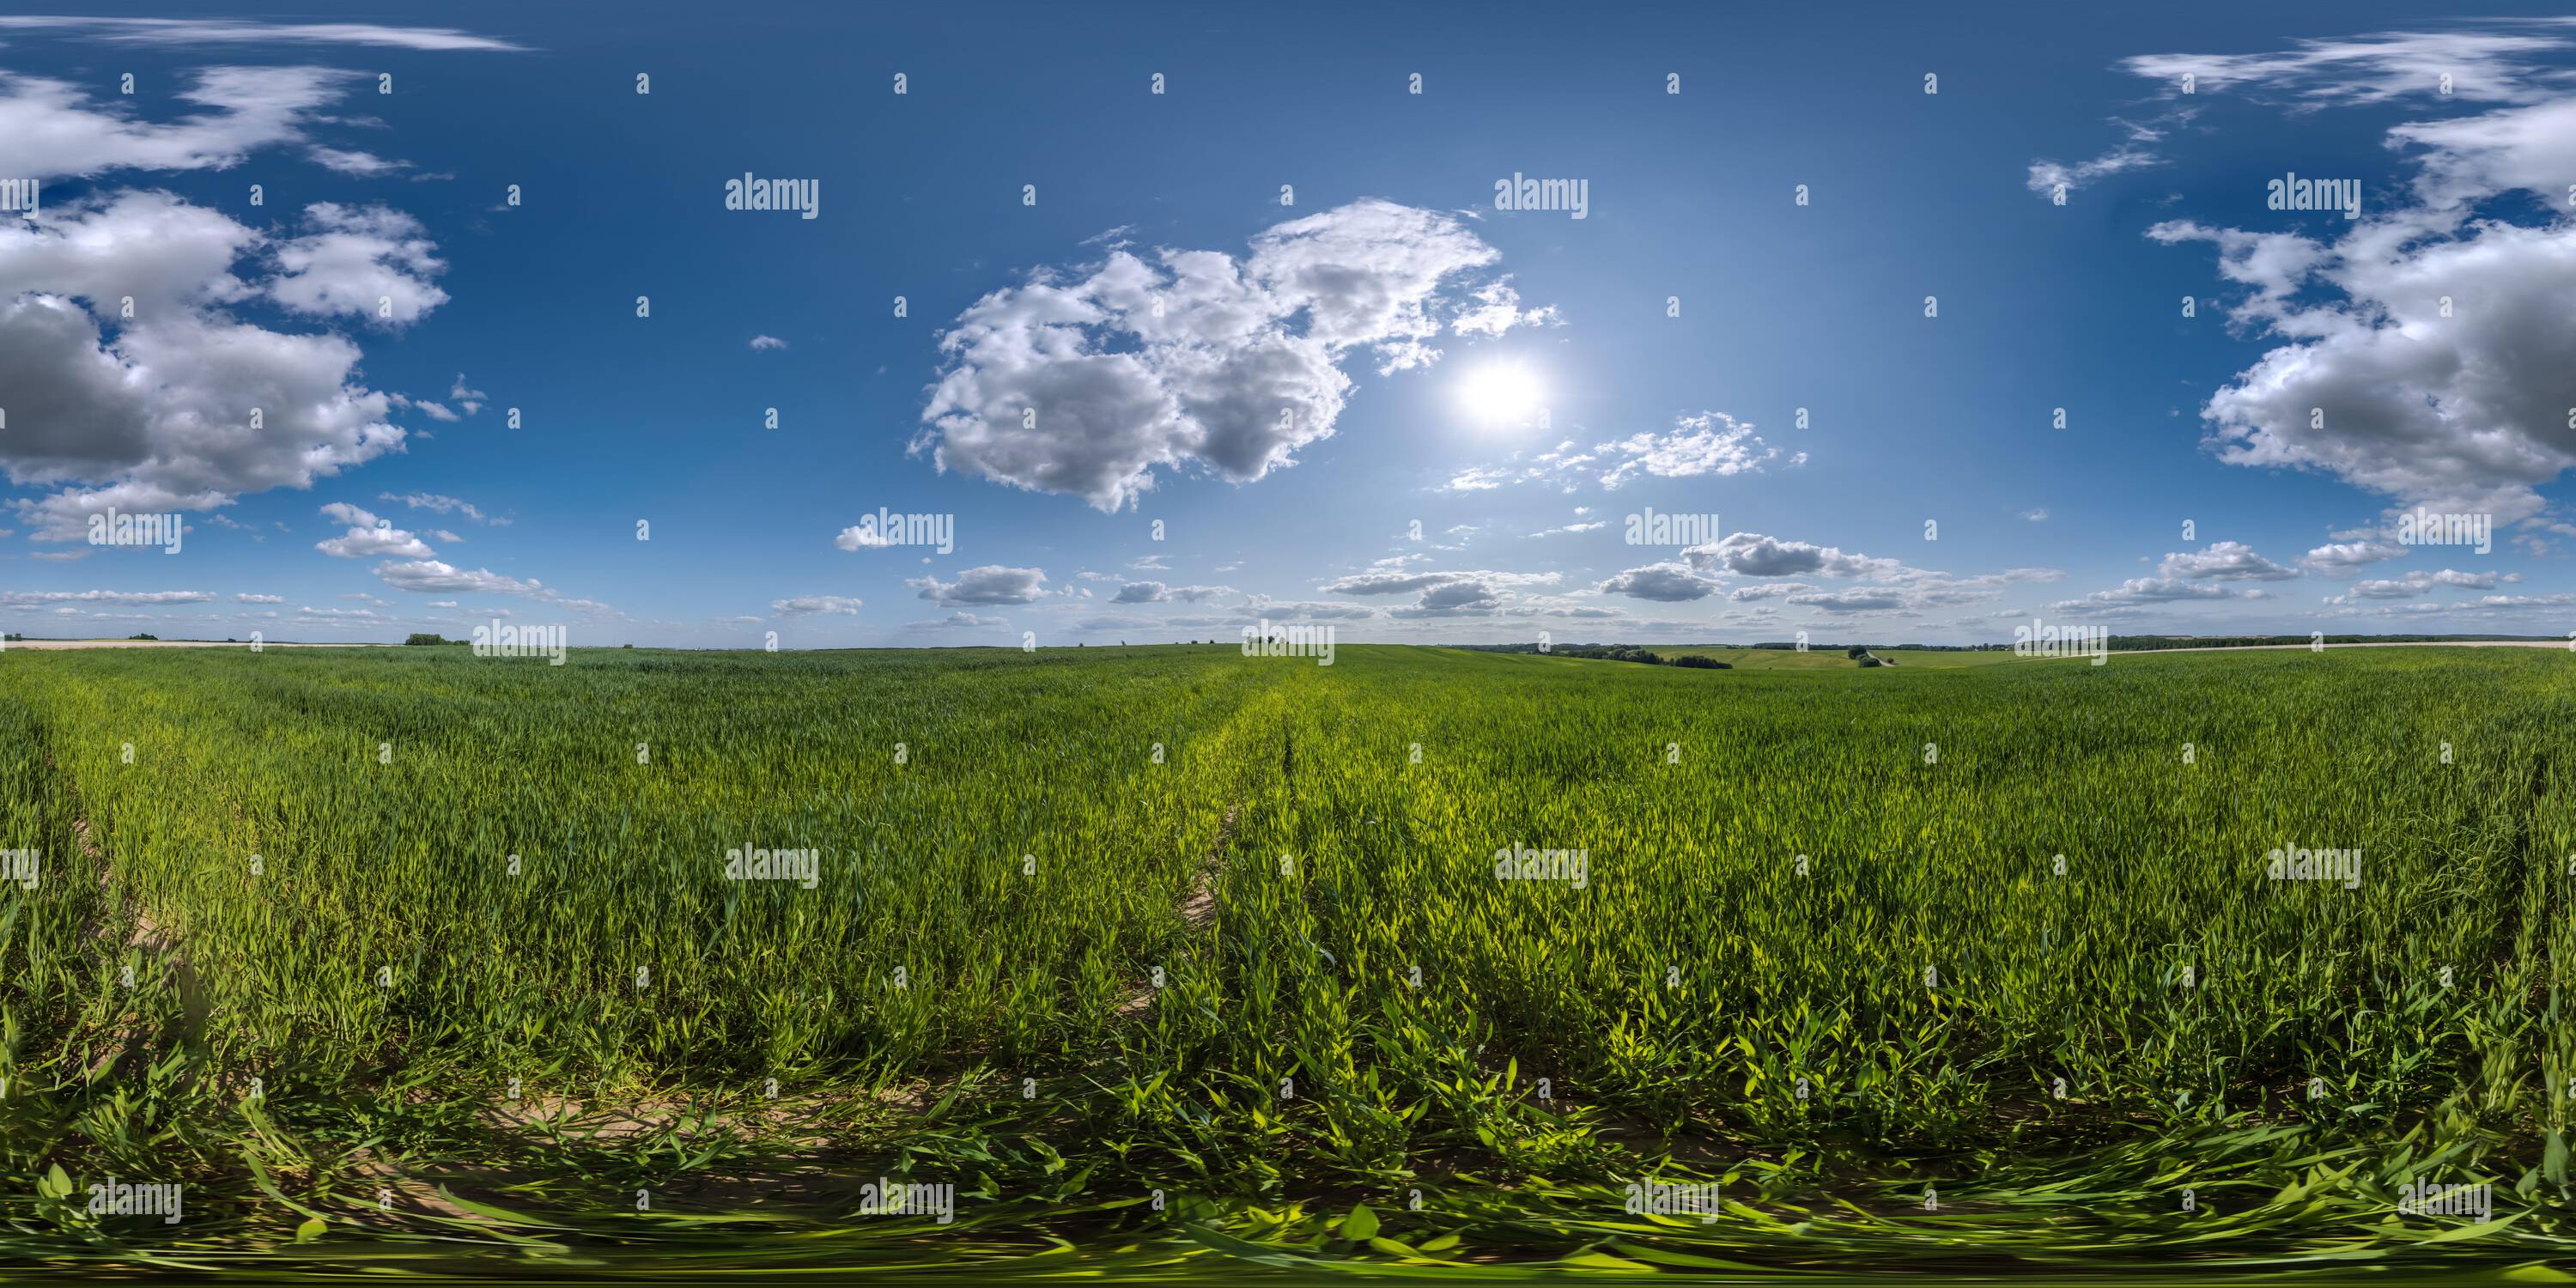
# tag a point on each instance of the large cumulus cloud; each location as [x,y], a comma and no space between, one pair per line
[1085,381]
[2426,351]
[133,371]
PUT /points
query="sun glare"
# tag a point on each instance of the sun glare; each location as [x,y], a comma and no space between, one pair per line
[1501,393]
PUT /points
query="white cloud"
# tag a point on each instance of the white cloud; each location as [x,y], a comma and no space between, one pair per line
[2150,590]
[2046,176]
[366,262]
[959,621]
[437,504]
[1085,381]
[221,31]
[49,128]
[1263,606]
[364,165]
[1752,554]
[128,598]
[373,543]
[1155,592]
[259,599]
[2364,70]
[158,418]
[2345,556]
[2517,602]
[431,576]
[815,605]
[1667,583]
[1850,601]
[2422,351]
[2419,583]
[1497,309]
[990,584]
[1709,443]
[2223,561]
[1896,588]
[2184,576]
[2466,413]
[1443,594]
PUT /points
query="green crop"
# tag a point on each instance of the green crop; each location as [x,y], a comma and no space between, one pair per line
[1175,962]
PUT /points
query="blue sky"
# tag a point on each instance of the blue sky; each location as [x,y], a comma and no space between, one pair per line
[1389,405]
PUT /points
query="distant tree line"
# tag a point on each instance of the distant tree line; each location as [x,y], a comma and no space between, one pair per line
[2117,643]
[1626,653]
[2134,643]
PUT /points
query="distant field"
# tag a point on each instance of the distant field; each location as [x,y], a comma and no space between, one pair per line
[1782,659]
[1088,926]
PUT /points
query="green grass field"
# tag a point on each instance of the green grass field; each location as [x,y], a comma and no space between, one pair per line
[1173,962]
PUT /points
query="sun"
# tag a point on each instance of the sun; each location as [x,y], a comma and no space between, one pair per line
[1501,393]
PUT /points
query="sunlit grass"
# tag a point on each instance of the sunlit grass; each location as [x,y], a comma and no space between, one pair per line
[1822,951]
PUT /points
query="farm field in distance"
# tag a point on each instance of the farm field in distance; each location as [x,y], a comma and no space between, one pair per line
[1761,659]
[1173,961]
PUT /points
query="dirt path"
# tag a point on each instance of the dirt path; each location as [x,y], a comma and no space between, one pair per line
[1198,912]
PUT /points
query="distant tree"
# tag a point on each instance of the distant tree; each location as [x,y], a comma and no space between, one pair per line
[144,636]
[1855,652]
[1698,663]
[425,637]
